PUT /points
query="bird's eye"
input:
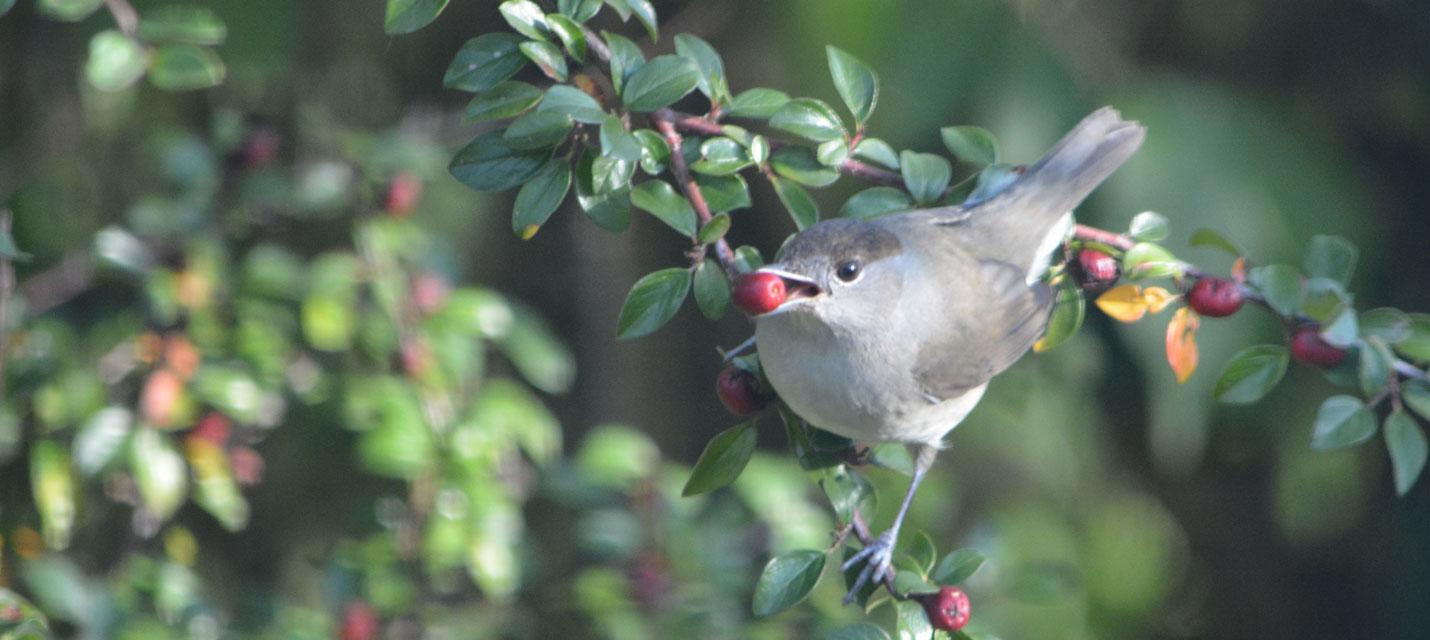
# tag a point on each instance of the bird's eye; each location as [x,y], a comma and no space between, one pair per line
[848,271]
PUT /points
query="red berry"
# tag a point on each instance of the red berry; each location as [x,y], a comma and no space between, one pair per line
[1096,271]
[359,622]
[260,149]
[1308,347]
[739,390]
[247,465]
[403,192]
[214,427]
[948,609]
[1215,297]
[758,292]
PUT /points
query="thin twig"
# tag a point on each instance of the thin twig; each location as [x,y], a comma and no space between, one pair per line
[125,17]
[7,288]
[662,119]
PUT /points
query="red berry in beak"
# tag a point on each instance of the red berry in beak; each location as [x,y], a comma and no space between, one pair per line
[1308,347]
[1215,297]
[758,292]
[739,390]
[948,609]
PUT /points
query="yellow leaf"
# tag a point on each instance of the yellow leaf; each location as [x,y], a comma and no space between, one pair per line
[1182,343]
[1157,298]
[530,231]
[1123,302]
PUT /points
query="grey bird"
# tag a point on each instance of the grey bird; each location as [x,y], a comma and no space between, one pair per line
[892,327]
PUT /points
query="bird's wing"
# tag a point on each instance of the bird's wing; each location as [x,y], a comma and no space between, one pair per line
[982,338]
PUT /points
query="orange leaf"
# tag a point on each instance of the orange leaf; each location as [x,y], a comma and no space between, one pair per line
[1123,302]
[1238,270]
[1157,298]
[1182,343]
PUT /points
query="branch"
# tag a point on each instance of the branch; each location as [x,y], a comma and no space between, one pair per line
[7,287]
[125,17]
[663,121]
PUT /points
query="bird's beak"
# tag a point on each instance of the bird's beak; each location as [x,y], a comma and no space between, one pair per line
[798,289]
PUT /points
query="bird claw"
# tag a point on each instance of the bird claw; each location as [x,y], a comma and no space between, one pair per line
[878,560]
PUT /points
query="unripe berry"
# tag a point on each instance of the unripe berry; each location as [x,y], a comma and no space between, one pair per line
[739,390]
[948,609]
[1308,347]
[1215,297]
[758,292]
[1096,271]
[403,192]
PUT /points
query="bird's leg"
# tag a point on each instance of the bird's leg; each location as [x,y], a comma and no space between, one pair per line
[878,556]
[739,349]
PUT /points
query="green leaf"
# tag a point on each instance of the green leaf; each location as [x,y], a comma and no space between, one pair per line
[101,439]
[759,103]
[540,358]
[856,83]
[610,210]
[923,552]
[720,157]
[1417,346]
[1406,444]
[652,302]
[878,152]
[800,165]
[185,67]
[488,163]
[910,581]
[712,289]
[5,7]
[1375,366]
[538,130]
[925,174]
[722,461]
[526,17]
[406,16]
[645,13]
[876,201]
[506,100]
[973,145]
[748,259]
[484,62]
[1342,421]
[913,622]
[1147,260]
[68,10]
[724,193]
[626,58]
[859,631]
[662,201]
[159,471]
[759,149]
[570,34]
[1251,374]
[1208,238]
[892,456]
[547,57]
[115,62]
[655,153]
[540,197]
[1281,286]
[832,153]
[1416,395]
[786,580]
[53,487]
[1149,226]
[183,23]
[1068,314]
[1331,257]
[712,70]
[714,230]
[1389,324]
[797,201]
[991,181]
[809,118]
[660,82]
[957,566]
[579,10]
[618,143]
[848,491]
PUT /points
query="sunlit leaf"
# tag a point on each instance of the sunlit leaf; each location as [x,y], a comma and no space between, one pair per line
[1124,302]
[1149,226]
[973,145]
[856,83]
[725,456]
[786,580]
[115,62]
[548,58]
[652,302]
[1182,343]
[809,118]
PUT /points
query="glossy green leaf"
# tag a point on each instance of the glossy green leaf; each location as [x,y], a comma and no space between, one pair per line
[797,202]
[757,103]
[506,100]
[748,259]
[855,81]
[892,456]
[182,23]
[1342,421]
[721,156]
[484,62]
[832,153]
[725,456]
[923,552]
[185,67]
[525,17]
[973,145]
[1389,324]
[115,61]
[724,193]
[908,580]
[809,118]
[800,165]
[1416,347]
[760,149]
[645,13]
[406,16]
[538,130]
[626,58]
[652,302]
[913,623]
[1147,260]
[1149,226]
[1416,395]
[1405,442]
[926,175]
[159,471]
[786,580]
[660,82]
[1208,238]
[547,57]
[1068,313]
[662,201]
[655,153]
[569,32]
[991,181]
[876,201]
[848,491]
[579,10]
[540,197]
[611,174]
[101,439]
[957,566]
[1281,286]
[618,143]
[1251,374]
[712,289]
[1331,257]
[610,210]
[68,10]
[1375,366]
[714,230]
[488,163]
[859,631]
[712,69]
[878,152]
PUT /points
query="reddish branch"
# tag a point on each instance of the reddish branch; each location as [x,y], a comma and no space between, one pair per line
[662,120]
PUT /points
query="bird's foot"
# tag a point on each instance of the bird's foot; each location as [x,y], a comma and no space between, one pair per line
[878,559]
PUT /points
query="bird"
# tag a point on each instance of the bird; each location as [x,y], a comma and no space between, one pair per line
[891,328]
